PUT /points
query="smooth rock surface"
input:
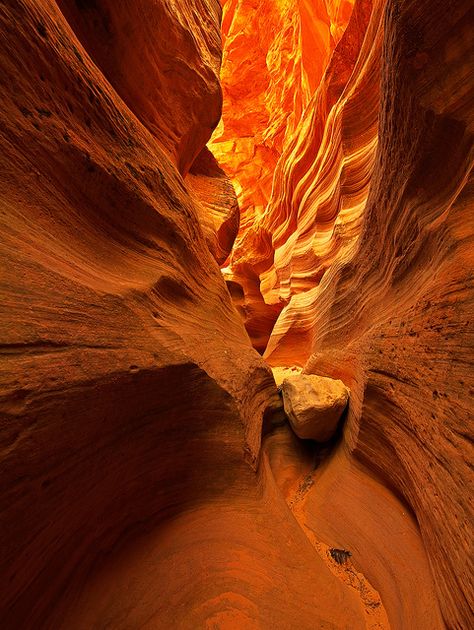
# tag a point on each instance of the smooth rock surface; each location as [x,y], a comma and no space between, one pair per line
[131,501]
[274,55]
[133,491]
[314,405]
[364,254]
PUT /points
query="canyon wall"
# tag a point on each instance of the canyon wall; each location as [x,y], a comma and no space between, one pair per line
[131,400]
[396,320]
[137,489]
[360,267]
[274,55]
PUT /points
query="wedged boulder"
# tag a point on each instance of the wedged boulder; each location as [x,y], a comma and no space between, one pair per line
[314,405]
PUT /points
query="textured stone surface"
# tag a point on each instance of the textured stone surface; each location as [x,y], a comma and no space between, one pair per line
[216,204]
[314,405]
[280,373]
[129,500]
[131,401]
[365,250]
[275,53]
[163,59]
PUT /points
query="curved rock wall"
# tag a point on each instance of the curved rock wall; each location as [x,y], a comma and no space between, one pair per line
[363,257]
[163,60]
[114,357]
[274,54]
[135,491]
[312,214]
[395,320]
[131,401]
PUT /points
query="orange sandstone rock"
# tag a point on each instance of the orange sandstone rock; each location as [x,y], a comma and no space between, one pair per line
[372,251]
[307,220]
[216,202]
[131,401]
[163,60]
[394,320]
[135,488]
[365,242]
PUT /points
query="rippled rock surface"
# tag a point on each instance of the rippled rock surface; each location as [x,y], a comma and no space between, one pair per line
[147,479]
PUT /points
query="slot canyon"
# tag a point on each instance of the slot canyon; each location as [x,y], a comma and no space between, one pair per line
[205,206]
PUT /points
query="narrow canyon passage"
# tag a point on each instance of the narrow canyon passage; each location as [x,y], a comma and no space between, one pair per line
[194,195]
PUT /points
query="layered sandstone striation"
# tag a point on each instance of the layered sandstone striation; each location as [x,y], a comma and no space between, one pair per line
[274,55]
[131,400]
[394,321]
[365,244]
[171,84]
[123,40]
[148,475]
[309,218]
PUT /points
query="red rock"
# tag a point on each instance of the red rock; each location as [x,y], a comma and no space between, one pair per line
[369,226]
[131,401]
[163,63]
[216,203]
[137,489]
[275,53]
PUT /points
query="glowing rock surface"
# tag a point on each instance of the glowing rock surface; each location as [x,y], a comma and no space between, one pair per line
[360,268]
[147,476]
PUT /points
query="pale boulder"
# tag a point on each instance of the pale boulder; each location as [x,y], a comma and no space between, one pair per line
[314,405]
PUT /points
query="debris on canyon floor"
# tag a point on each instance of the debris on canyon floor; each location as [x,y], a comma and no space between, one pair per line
[340,555]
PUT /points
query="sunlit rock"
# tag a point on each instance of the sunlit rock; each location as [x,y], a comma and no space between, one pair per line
[148,475]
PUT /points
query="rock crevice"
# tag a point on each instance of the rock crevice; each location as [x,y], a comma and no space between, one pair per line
[147,475]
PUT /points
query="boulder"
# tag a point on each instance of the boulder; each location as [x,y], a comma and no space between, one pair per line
[314,405]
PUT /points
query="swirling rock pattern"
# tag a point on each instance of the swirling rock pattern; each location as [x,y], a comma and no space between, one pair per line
[131,400]
[137,489]
[367,241]
[216,203]
[126,41]
[406,343]
[308,218]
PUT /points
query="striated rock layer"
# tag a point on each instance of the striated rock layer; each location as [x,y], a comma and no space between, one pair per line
[320,183]
[274,54]
[366,246]
[131,400]
[137,490]
[394,322]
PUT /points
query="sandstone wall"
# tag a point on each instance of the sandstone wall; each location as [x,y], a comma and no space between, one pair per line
[360,267]
[131,400]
